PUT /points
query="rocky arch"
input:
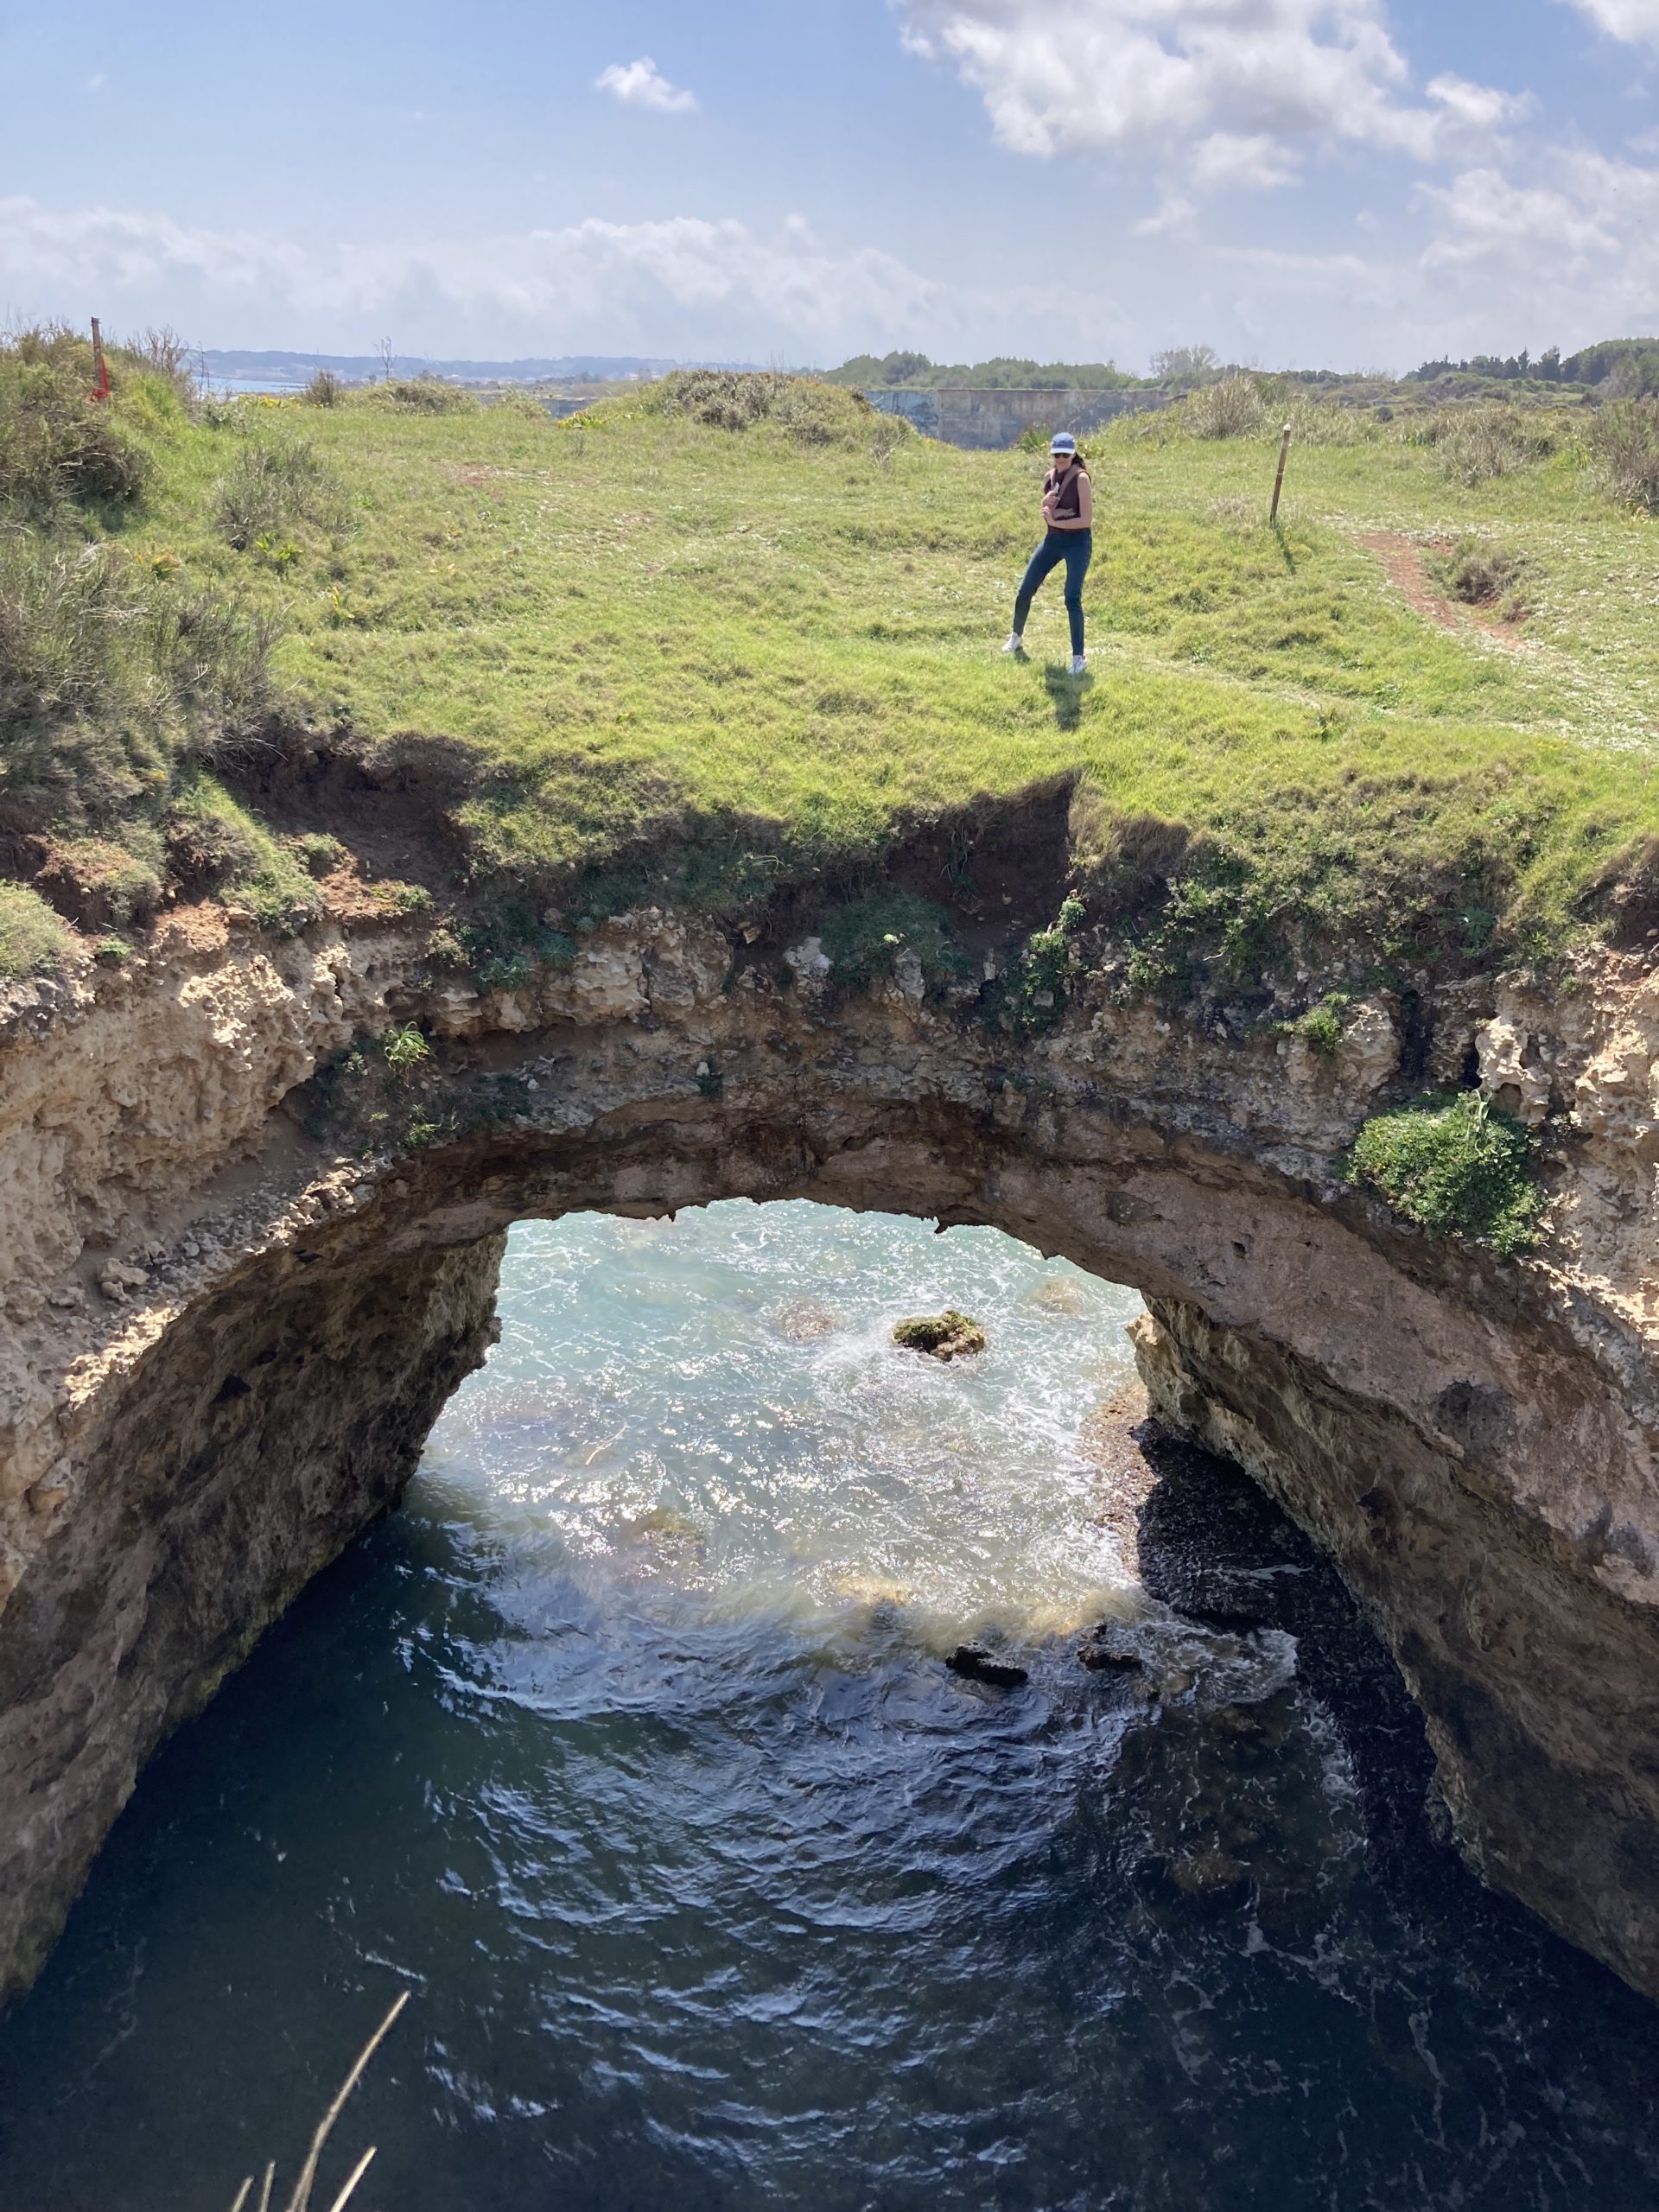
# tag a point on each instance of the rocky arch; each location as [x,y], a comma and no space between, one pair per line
[254,1327]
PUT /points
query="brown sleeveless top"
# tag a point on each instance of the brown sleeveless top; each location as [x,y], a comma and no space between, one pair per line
[1071,486]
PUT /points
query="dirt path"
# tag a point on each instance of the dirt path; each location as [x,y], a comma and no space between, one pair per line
[1402,562]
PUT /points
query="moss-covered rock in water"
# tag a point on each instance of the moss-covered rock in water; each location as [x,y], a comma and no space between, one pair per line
[948,1335]
[1457,1167]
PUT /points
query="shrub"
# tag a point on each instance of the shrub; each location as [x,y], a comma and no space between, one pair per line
[1320,1028]
[726,399]
[863,940]
[211,652]
[1235,408]
[819,414]
[429,395]
[322,854]
[1623,442]
[1475,444]
[274,486]
[1457,1166]
[1326,422]
[1481,573]
[160,352]
[65,615]
[405,1048]
[1033,992]
[33,940]
[56,442]
[325,390]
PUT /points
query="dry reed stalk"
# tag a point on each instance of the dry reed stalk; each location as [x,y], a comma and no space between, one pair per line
[301,2197]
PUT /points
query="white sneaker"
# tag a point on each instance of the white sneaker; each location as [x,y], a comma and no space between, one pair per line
[1016,644]
[1079,665]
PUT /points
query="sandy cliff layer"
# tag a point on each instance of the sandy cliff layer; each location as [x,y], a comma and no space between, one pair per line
[227,1326]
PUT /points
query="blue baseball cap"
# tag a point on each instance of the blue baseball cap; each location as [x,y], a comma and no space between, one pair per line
[1062,442]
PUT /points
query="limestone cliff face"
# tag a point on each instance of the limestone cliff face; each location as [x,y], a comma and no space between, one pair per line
[227,1332]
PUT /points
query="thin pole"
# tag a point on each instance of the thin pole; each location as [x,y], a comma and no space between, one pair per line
[1279,480]
[101,388]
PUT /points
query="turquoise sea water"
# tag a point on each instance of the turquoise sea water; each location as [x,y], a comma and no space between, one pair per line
[628,1747]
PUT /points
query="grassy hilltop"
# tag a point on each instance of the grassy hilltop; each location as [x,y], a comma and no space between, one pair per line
[721,637]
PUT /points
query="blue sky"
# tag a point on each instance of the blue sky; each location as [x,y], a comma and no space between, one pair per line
[1323,182]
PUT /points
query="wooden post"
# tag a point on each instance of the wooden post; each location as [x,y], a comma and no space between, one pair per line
[1279,480]
[101,388]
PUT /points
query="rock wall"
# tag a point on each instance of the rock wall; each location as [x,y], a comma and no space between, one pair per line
[228,1329]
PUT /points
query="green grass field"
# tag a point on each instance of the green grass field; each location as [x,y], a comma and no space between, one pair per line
[773,650]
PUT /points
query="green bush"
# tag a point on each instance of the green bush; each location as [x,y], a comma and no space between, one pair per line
[864,939]
[1623,441]
[1033,992]
[1320,1028]
[814,413]
[56,441]
[1456,1166]
[1475,444]
[405,1048]
[1481,573]
[1235,408]
[275,486]
[66,612]
[32,939]
[429,395]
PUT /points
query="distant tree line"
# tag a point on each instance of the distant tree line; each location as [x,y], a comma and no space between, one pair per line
[1618,368]
[1629,365]
[1005,373]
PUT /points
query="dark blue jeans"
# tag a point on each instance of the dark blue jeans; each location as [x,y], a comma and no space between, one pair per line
[1076,549]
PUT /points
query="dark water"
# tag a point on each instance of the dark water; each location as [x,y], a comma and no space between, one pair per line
[628,1748]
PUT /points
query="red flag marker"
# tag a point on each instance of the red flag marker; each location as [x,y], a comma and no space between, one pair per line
[101,388]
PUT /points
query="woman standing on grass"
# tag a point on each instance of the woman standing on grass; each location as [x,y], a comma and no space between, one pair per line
[1069,520]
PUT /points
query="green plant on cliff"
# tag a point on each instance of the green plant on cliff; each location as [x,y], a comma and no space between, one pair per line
[1033,996]
[1457,1166]
[865,938]
[33,940]
[405,1049]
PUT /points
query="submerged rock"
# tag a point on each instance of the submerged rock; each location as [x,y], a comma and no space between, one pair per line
[976,1666]
[1102,1653]
[948,1335]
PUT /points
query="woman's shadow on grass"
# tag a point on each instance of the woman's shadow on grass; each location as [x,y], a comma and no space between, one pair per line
[1067,692]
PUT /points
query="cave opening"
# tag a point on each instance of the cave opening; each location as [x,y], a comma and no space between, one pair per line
[630,1744]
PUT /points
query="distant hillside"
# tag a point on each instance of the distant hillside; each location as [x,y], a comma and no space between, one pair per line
[362,368]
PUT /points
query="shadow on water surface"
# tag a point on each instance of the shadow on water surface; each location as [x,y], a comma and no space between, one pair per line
[716,1895]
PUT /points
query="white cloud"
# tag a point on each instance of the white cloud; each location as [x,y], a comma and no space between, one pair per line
[641,84]
[1592,209]
[1065,75]
[1229,162]
[685,284]
[1626,19]
[1481,106]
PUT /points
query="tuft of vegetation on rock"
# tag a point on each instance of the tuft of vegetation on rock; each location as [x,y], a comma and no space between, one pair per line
[867,938]
[1457,1166]
[33,940]
[945,1336]
[1481,572]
